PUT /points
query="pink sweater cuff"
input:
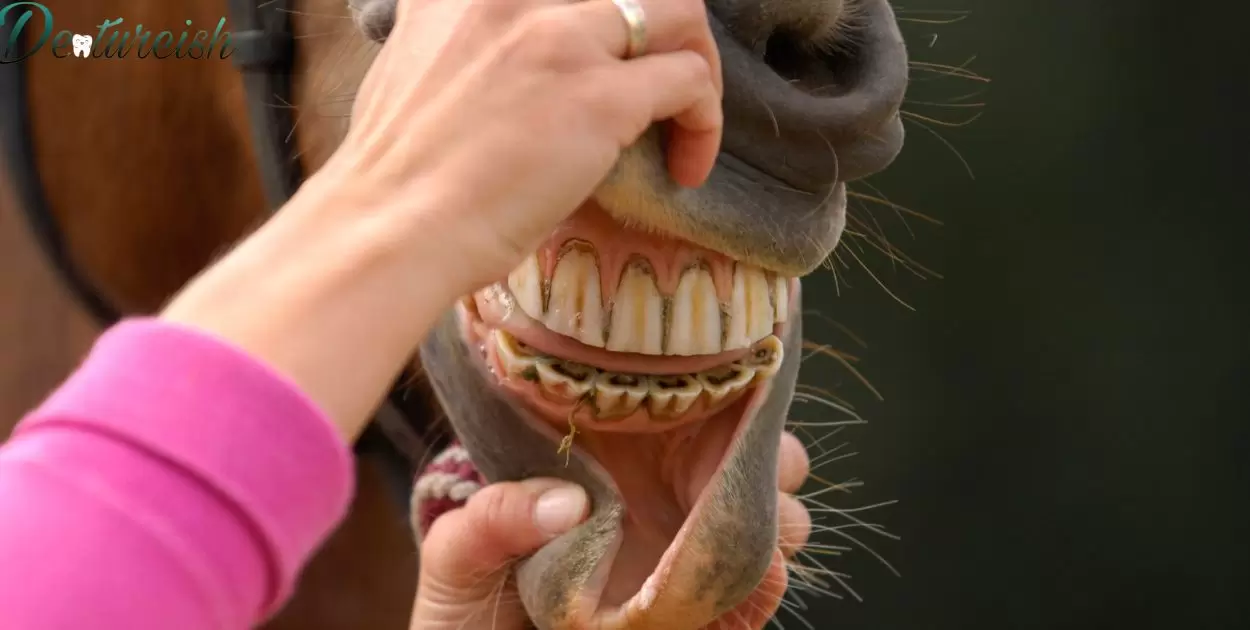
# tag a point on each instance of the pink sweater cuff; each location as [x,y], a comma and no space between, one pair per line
[223,418]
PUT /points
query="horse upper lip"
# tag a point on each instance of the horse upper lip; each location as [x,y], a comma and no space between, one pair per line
[746,169]
[808,138]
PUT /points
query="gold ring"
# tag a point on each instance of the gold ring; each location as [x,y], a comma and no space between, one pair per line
[636,18]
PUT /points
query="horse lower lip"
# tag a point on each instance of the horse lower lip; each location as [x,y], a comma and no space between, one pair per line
[616,605]
[628,565]
[614,599]
[610,603]
[618,595]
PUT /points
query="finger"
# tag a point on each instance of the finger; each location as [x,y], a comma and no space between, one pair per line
[794,524]
[499,523]
[674,86]
[793,464]
[671,25]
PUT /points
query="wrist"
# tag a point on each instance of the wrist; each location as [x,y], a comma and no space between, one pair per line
[335,292]
[381,233]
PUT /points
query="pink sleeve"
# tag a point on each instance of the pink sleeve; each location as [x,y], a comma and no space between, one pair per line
[171,482]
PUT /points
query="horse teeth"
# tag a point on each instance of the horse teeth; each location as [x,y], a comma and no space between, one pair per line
[515,360]
[618,395]
[781,298]
[671,395]
[526,284]
[765,358]
[637,313]
[751,306]
[635,316]
[720,382]
[565,378]
[695,327]
[575,307]
[615,395]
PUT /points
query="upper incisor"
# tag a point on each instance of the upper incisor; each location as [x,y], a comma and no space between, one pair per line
[637,317]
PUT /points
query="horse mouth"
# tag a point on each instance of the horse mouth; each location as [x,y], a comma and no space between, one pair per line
[649,349]
[652,358]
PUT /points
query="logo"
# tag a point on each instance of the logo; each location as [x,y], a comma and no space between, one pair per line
[26,28]
[82,45]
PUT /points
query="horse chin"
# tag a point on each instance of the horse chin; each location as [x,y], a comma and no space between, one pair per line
[677,445]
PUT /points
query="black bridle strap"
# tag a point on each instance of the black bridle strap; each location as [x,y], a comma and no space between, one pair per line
[264,51]
[17,157]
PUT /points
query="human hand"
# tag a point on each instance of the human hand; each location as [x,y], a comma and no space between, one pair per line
[488,122]
[467,555]
[478,127]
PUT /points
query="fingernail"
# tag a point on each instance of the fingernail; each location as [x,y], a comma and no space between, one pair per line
[559,509]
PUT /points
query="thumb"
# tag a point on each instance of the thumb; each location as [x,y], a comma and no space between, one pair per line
[499,523]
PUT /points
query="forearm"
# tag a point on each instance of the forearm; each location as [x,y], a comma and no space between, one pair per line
[183,474]
[335,293]
[171,482]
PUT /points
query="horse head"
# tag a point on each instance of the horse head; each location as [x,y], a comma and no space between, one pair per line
[649,350]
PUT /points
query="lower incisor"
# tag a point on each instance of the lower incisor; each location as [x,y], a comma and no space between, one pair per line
[613,395]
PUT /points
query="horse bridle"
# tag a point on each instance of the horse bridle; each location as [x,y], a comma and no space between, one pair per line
[264,52]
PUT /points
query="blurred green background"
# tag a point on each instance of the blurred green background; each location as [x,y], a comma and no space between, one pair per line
[1061,423]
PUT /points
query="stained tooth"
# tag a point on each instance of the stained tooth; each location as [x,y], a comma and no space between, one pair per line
[751,313]
[671,395]
[781,300]
[695,327]
[526,284]
[721,382]
[637,314]
[575,308]
[765,357]
[736,336]
[618,395]
[565,378]
[515,360]
[760,316]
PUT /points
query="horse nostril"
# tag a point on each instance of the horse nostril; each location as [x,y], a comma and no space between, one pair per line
[816,67]
[783,52]
[813,102]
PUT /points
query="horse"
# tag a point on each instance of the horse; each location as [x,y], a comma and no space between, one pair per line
[649,351]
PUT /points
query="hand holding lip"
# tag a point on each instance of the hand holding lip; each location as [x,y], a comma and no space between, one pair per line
[509,114]
[468,552]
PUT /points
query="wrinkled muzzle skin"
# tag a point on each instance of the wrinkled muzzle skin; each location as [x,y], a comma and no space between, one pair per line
[659,332]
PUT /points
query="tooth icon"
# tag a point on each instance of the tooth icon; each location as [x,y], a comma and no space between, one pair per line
[82,46]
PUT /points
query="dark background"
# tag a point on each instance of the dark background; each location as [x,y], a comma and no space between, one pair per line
[1062,425]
